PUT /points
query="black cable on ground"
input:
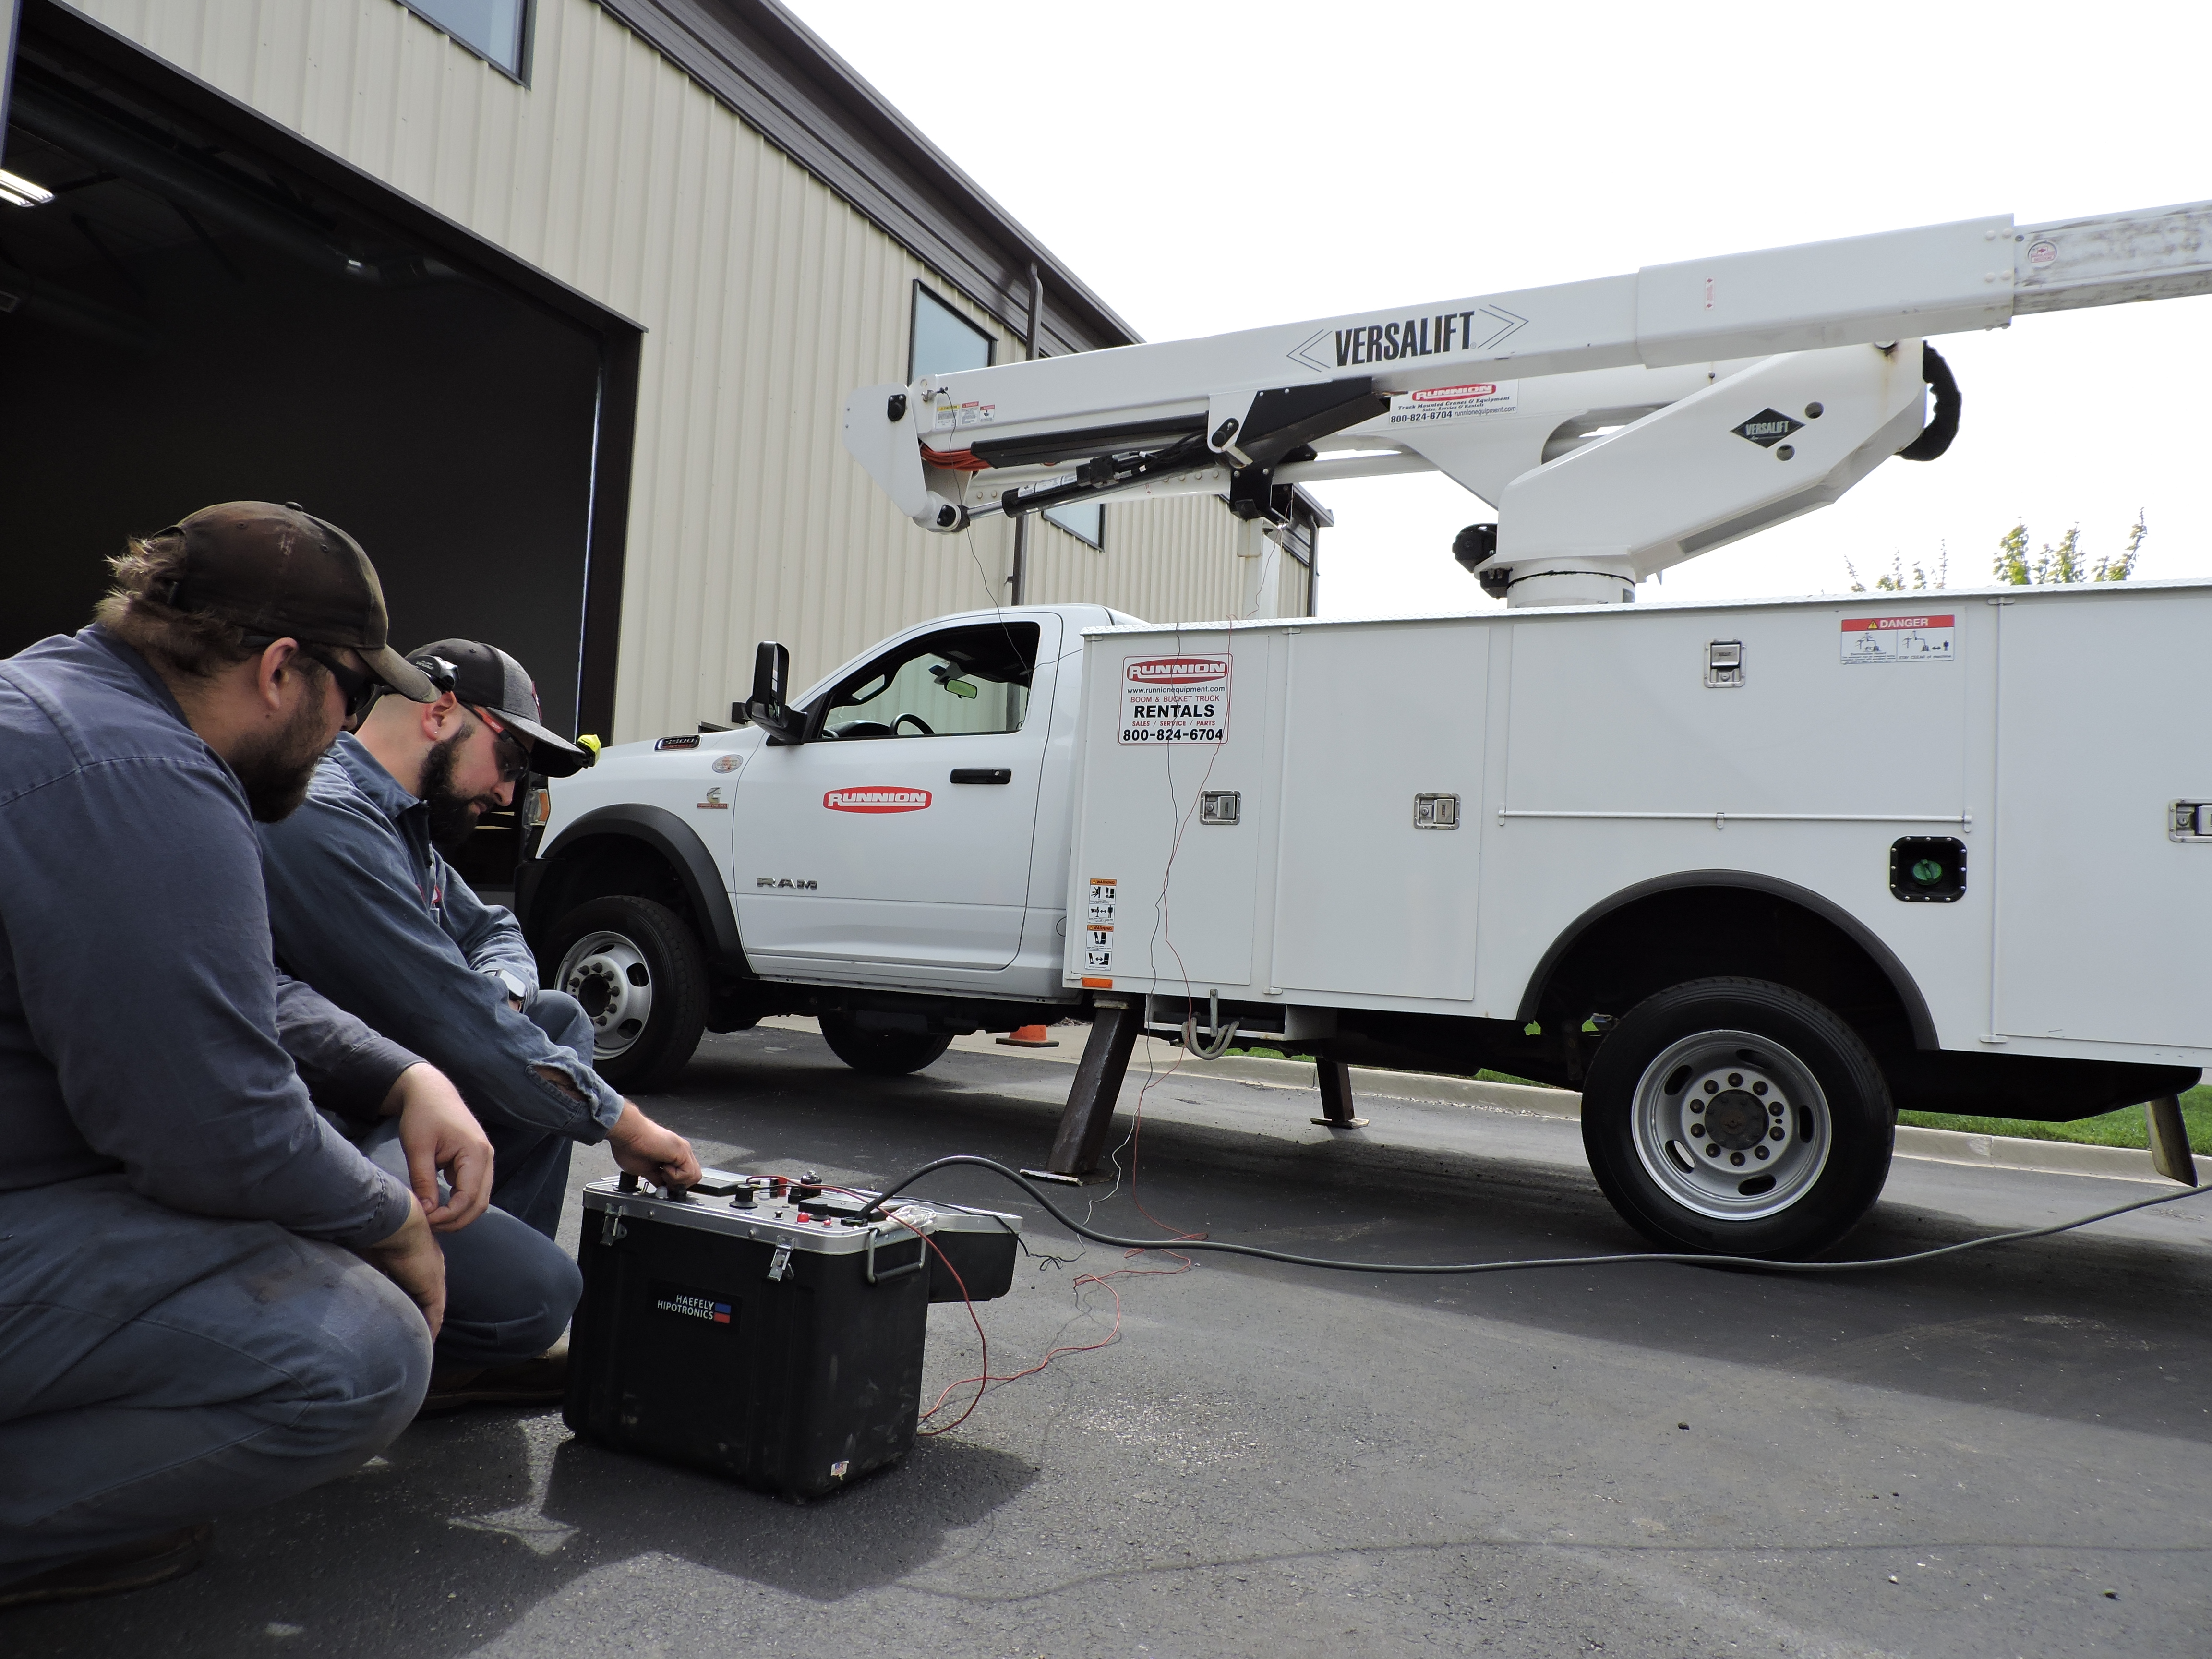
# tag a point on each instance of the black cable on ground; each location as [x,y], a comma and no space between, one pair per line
[1682,1258]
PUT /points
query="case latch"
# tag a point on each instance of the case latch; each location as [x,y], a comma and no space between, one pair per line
[1724,662]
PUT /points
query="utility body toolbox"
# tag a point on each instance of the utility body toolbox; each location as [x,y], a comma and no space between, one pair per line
[1426,816]
[752,1327]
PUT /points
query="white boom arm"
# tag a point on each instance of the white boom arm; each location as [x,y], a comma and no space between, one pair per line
[1618,425]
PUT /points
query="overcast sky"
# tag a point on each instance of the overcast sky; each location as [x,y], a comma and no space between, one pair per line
[1206,166]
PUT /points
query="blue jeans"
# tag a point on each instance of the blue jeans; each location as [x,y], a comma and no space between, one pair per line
[158,1368]
[509,1289]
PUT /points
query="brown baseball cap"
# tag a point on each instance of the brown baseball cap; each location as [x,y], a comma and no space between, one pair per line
[281,571]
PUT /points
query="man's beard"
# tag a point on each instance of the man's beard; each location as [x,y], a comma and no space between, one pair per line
[450,817]
[276,772]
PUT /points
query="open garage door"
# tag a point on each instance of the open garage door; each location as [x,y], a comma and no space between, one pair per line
[208,308]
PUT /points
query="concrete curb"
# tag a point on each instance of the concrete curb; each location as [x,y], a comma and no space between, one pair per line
[2018,1152]
[1157,1057]
[1391,1085]
[1932,1146]
[1935,1145]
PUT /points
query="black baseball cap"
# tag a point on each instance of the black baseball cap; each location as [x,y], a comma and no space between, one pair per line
[281,571]
[485,676]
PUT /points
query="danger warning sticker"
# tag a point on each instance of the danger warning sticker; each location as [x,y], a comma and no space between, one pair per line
[1452,403]
[1897,639]
[951,416]
[1174,699]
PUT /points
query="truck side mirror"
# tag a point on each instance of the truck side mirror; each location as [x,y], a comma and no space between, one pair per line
[766,708]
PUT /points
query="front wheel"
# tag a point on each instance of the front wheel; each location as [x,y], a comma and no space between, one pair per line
[642,977]
[884,1053]
[1737,1116]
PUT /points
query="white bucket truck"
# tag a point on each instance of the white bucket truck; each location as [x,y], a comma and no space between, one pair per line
[1752,877]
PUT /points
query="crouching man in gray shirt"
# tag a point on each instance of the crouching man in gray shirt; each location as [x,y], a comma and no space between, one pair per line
[209,1300]
[364,906]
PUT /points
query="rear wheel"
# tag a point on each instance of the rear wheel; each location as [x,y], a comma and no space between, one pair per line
[1737,1116]
[885,1053]
[639,973]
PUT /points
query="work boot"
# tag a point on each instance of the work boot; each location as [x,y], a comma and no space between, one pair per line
[125,1567]
[540,1381]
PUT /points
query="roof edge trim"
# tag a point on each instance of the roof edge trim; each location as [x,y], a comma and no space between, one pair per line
[758,60]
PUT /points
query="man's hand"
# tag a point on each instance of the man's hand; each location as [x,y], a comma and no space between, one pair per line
[438,1132]
[646,1150]
[412,1259]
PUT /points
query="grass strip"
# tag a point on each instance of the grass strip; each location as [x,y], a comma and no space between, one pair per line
[2125,1127]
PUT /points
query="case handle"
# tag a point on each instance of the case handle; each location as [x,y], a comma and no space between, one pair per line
[921,1255]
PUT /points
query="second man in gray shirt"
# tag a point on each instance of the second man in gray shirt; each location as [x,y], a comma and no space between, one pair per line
[364,905]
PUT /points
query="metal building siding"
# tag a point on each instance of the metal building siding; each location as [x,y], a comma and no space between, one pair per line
[1166,561]
[766,297]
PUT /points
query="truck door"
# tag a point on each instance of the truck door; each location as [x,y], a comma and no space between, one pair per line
[900,832]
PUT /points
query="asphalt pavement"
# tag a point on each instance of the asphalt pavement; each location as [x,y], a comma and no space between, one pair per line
[2004,1453]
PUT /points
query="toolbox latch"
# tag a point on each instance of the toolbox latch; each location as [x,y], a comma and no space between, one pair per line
[1724,662]
[1436,811]
[2189,820]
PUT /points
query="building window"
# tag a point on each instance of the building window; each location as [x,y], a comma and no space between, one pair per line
[1084,521]
[944,342]
[497,31]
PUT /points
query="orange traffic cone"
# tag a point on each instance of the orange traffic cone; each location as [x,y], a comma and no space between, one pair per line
[1029,1037]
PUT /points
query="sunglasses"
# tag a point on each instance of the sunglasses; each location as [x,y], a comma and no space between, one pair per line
[357,686]
[513,754]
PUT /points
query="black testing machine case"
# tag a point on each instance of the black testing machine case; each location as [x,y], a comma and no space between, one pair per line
[751,1326]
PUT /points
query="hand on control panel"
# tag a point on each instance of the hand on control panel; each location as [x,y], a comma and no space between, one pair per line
[642,1147]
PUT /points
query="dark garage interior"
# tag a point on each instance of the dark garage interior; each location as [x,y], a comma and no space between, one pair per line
[195,317]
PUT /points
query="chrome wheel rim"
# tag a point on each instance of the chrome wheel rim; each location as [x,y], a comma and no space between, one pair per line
[609,976]
[1731,1125]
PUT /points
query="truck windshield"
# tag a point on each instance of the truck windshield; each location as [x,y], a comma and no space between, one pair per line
[960,681]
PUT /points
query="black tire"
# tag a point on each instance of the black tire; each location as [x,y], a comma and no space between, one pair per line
[881,1054]
[1774,1139]
[640,975]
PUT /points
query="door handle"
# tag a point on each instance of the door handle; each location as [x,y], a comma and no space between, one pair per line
[982,775]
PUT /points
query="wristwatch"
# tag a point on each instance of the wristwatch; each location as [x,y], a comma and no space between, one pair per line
[517,987]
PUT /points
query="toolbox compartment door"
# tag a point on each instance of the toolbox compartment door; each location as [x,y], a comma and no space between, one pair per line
[1366,902]
[2101,918]
[1163,895]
